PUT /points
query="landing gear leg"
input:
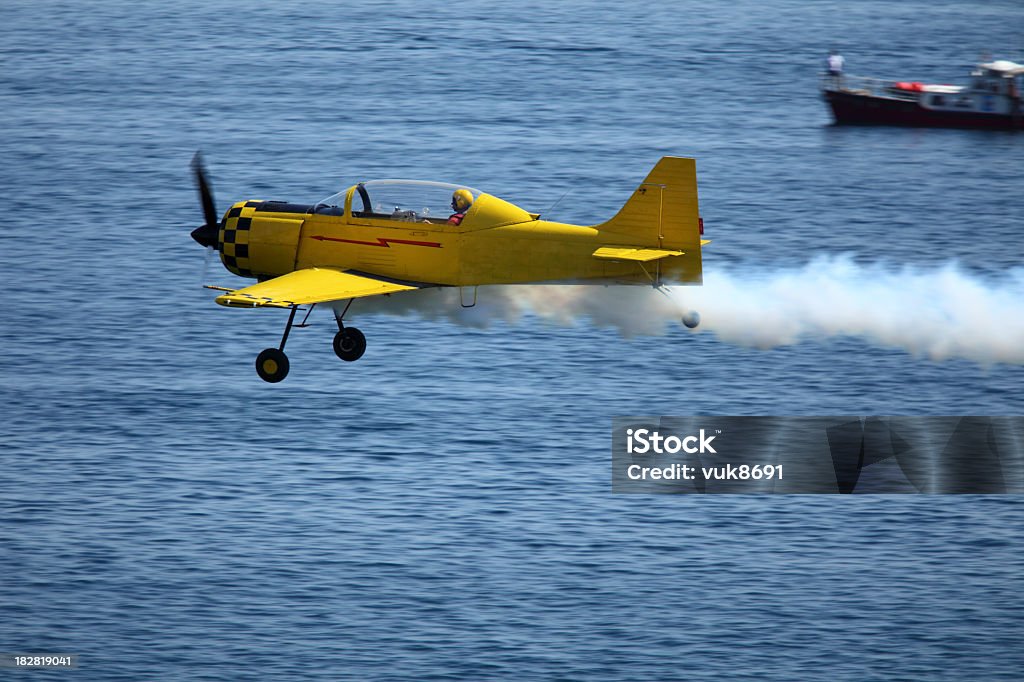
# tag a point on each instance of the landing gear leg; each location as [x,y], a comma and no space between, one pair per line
[272,363]
[349,342]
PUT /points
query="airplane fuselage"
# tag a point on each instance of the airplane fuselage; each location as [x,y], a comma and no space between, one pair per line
[497,244]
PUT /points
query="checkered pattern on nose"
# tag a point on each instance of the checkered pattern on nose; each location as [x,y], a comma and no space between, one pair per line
[233,238]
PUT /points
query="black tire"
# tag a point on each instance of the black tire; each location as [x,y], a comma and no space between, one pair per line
[349,344]
[272,365]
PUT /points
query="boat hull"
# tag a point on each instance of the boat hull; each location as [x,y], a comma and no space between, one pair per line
[850,108]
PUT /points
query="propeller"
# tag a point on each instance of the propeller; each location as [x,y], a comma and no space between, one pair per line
[207,234]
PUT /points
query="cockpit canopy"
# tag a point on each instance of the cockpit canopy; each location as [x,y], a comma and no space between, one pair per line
[407,200]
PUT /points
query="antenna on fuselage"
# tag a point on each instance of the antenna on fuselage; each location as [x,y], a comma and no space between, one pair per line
[557,201]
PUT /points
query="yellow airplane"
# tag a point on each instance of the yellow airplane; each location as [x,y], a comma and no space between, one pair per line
[387,236]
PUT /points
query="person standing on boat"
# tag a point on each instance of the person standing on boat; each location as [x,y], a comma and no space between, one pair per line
[835,67]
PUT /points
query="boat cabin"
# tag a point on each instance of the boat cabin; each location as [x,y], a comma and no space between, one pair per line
[1000,78]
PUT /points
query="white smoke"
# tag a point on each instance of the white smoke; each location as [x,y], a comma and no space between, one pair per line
[632,310]
[939,312]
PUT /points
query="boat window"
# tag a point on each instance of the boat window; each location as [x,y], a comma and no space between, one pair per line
[987,85]
[938,100]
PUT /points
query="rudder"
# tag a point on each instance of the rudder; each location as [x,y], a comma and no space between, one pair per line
[663,212]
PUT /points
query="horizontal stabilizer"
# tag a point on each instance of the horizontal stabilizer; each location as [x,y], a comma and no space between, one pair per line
[312,285]
[635,253]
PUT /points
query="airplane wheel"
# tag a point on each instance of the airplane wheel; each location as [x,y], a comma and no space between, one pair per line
[272,365]
[349,344]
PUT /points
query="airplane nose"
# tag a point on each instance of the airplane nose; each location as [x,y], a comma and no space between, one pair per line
[206,235]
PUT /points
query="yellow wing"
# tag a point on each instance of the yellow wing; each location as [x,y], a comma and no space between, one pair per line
[312,285]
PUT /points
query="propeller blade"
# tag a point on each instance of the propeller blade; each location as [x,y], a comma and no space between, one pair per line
[205,191]
[207,234]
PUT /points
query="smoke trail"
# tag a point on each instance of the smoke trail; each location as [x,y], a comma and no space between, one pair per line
[939,313]
[631,310]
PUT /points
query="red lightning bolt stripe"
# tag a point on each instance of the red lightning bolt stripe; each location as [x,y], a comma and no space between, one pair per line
[386,242]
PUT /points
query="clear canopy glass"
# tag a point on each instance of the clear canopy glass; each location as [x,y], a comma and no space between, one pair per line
[408,200]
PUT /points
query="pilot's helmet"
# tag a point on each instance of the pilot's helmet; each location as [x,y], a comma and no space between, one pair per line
[462,199]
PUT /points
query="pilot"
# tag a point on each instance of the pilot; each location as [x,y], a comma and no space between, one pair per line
[462,199]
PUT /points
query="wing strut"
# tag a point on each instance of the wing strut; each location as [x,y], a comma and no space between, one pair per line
[288,328]
[339,318]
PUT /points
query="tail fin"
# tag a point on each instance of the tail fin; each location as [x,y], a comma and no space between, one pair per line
[663,213]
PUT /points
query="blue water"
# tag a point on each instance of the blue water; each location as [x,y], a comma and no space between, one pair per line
[441,509]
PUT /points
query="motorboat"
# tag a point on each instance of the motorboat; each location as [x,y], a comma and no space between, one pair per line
[992,99]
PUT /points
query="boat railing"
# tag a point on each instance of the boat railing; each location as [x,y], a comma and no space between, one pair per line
[862,85]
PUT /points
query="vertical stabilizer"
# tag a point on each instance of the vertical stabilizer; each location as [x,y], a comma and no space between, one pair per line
[663,213]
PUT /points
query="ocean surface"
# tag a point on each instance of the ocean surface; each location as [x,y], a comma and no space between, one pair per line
[442,509]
